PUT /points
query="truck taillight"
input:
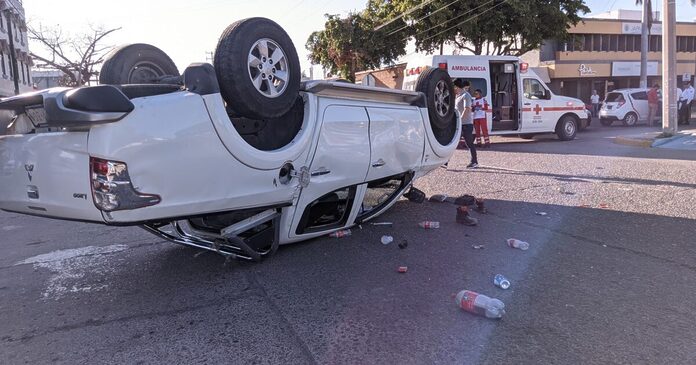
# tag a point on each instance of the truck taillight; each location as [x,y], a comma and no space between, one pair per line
[442,66]
[112,188]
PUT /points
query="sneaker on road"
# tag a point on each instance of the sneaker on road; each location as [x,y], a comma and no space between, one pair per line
[472,165]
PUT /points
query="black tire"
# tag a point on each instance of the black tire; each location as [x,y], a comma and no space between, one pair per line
[274,133]
[437,86]
[630,119]
[137,63]
[606,122]
[567,128]
[527,136]
[236,74]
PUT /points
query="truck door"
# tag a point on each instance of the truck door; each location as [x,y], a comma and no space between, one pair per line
[339,165]
[396,141]
[537,112]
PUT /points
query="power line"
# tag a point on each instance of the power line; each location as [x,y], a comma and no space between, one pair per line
[449,20]
[468,20]
[409,11]
[425,16]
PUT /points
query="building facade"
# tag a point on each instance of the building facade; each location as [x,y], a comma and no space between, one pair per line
[603,54]
[12,21]
[391,77]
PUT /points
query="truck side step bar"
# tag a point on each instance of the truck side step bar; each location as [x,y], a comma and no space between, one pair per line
[229,244]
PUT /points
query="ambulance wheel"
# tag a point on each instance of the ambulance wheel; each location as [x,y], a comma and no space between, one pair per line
[437,86]
[567,128]
[527,136]
[258,69]
[630,119]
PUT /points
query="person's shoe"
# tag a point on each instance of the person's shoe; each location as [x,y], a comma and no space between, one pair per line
[472,165]
[464,218]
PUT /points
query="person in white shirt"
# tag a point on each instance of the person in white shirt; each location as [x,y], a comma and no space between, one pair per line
[594,99]
[685,100]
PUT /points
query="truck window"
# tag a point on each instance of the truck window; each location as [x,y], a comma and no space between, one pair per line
[533,89]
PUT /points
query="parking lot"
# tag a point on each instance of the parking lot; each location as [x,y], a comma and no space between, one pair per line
[608,277]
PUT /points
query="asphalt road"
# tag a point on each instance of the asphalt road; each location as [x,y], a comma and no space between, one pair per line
[609,277]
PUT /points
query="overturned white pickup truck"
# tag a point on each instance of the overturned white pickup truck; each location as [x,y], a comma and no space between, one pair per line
[236,158]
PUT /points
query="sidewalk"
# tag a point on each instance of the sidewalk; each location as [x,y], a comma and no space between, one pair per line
[684,140]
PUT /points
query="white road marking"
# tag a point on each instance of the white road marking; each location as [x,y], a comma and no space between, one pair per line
[75,270]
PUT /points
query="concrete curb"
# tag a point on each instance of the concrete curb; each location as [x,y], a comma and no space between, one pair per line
[660,141]
[634,141]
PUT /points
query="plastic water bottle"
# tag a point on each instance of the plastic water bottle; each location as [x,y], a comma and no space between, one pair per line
[340,234]
[480,304]
[515,243]
[429,225]
[501,282]
[387,240]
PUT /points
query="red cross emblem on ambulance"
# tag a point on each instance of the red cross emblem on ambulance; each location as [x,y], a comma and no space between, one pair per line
[537,109]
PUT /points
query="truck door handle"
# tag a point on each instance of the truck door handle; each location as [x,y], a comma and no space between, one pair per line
[321,171]
[379,163]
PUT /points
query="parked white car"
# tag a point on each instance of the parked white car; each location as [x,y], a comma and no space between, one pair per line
[237,158]
[630,106]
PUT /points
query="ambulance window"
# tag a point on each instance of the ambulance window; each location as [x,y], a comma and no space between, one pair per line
[533,89]
[481,84]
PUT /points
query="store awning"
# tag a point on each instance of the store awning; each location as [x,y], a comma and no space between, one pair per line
[543,73]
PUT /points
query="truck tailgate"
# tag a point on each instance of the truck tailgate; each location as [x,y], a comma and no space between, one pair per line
[47,174]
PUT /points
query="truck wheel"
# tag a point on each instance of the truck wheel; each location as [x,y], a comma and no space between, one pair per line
[137,63]
[630,119]
[437,86]
[257,68]
[567,128]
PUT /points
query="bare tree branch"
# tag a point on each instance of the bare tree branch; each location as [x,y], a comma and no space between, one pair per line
[74,55]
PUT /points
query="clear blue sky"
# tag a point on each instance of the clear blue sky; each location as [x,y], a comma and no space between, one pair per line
[187,29]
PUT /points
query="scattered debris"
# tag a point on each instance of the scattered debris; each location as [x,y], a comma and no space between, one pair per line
[480,304]
[341,234]
[515,243]
[585,206]
[387,240]
[478,247]
[542,213]
[382,224]
[415,195]
[480,207]
[464,218]
[429,225]
[402,269]
[501,281]
[403,244]
[563,190]
[465,199]
[438,198]
[604,245]
[604,206]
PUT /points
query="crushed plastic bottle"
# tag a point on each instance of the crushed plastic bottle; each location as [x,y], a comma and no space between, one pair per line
[501,282]
[340,234]
[515,243]
[387,240]
[480,304]
[429,225]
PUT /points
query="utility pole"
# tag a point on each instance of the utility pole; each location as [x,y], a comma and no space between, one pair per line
[669,68]
[13,54]
[644,45]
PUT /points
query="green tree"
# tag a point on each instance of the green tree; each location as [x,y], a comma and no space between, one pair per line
[499,27]
[350,44]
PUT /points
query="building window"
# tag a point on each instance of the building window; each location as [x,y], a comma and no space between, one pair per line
[655,43]
[613,43]
[2,58]
[21,66]
[28,74]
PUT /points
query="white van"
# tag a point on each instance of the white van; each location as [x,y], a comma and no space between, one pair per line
[520,101]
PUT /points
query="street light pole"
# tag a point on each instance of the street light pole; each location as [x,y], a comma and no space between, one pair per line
[669,68]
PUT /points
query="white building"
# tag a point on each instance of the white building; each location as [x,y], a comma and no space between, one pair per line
[12,15]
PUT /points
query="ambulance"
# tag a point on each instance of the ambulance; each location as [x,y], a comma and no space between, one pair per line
[519,101]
